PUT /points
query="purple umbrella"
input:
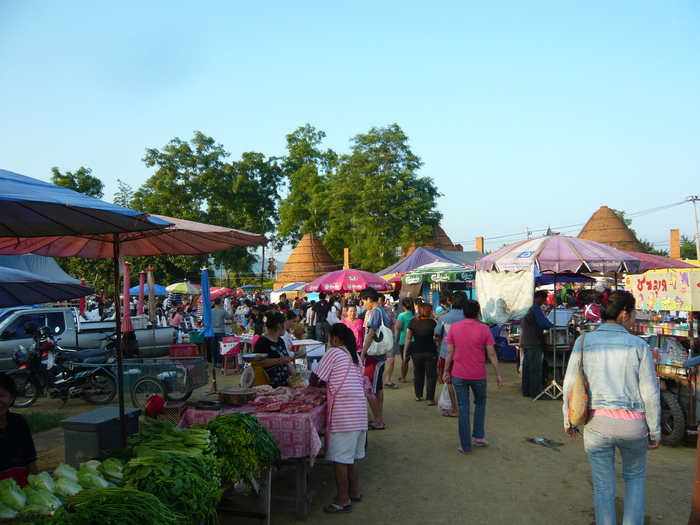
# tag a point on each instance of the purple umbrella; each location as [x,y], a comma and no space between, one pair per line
[558,253]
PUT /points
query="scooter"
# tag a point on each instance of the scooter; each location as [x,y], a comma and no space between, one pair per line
[59,378]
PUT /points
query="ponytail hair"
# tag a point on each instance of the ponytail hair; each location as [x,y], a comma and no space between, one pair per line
[342,332]
[273,320]
[618,302]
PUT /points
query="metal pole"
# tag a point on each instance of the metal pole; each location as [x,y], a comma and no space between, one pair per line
[120,346]
[694,199]
[262,267]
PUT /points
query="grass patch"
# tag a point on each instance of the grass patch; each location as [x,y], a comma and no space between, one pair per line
[41,421]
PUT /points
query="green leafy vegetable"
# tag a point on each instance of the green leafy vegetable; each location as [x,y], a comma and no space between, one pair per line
[111,470]
[116,506]
[67,472]
[90,479]
[42,498]
[93,464]
[66,488]
[6,512]
[11,495]
[43,480]
[163,437]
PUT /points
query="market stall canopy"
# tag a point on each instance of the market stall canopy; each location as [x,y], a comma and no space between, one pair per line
[344,281]
[666,289]
[34,208]
[438,272]
[659,262]
[421,256]
[219,291]
[47,267]
[180,237]
[18,288]
[559,253]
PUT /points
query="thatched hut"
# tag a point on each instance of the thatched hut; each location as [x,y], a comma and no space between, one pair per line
[606,227]
[438,240]
[309,260]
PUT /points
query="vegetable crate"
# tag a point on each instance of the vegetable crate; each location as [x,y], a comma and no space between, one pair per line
[182,375]
[183,350]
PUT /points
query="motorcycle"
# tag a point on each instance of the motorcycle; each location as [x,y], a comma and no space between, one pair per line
[61,377]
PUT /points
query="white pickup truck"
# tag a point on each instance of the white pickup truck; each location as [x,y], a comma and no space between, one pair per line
[71,332]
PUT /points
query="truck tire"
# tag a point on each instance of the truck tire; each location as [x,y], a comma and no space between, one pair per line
[672,420]
[144,388]
[100,389]
[28,390]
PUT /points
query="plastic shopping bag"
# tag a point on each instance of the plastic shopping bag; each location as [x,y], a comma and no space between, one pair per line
[444,403]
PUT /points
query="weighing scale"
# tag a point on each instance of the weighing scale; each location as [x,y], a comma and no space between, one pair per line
[255,375]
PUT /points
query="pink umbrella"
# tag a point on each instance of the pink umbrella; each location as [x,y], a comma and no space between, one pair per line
[142,281]
[126,321]
[658,262]
[343,281]
[218,291]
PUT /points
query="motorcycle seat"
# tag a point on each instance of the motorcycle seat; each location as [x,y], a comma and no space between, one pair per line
[95,355]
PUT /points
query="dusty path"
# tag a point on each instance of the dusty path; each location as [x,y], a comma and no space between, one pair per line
[413,473]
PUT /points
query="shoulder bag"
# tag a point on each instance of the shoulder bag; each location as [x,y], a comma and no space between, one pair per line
[382,342]
[578,396]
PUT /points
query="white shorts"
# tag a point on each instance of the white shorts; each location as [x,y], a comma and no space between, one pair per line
[346,447]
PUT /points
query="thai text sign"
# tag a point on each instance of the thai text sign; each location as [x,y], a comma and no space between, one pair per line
[666,290]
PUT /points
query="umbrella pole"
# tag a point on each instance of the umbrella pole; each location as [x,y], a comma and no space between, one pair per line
[553,390]
[120,346]
[214,387]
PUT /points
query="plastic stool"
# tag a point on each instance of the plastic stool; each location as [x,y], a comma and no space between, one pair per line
[229,350]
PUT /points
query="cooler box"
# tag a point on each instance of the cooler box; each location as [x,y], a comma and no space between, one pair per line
[183,350]
[89,435]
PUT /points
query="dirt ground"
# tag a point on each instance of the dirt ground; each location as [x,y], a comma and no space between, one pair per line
[413,472]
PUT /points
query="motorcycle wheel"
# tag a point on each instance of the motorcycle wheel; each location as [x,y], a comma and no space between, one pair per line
[99,389]
[145,388]
[28,390]
[173,396]
[672,420]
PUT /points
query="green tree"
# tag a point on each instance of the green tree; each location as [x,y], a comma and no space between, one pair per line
[81,181]
[307,168]
[193,181]
[377,201]
[124,195]
[649,248]
[688,250]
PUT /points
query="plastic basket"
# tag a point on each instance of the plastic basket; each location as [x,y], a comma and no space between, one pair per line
[196,338]
[183,350]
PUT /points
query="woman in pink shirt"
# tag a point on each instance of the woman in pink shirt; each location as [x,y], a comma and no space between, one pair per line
[355,324]
[466,342]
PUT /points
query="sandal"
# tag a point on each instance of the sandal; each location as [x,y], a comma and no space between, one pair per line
[337,509]
[391,385]
[481,442]
[432,404]
[402,380]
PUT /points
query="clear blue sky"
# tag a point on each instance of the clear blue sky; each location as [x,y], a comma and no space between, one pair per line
[526,114]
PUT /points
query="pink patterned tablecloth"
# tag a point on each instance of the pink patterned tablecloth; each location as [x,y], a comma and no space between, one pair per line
[295,434]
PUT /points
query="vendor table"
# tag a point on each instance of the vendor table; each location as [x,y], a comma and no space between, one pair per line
[295,434]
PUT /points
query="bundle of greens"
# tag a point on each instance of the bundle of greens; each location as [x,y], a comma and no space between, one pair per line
[163,437]
[243,445]
[116,506]
[40,503]
[190,484]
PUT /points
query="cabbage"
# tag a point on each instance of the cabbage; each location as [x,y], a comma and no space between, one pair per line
[11,495]
[90,479]
[6,512]
[42,498]
[66,488]
[111,469]
[67,472]
[33,511]
[42,481]
[92,464]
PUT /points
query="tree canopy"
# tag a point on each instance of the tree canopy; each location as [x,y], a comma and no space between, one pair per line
[81,181]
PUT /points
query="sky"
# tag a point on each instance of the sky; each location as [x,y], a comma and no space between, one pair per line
[527,115]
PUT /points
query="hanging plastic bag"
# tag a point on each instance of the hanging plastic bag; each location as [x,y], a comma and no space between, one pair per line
[444,403]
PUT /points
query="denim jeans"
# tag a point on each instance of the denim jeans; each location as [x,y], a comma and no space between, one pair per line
[532,371]
[478,387]
[601,456]
[322,331]
[425,368]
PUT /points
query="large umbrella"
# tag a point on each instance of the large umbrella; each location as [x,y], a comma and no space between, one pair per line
[217,291]
[157,289]
[186,288]
[658,262]
[207,327]
[18,288]
[438,272]
[343,281]
[559,253]
[181,237]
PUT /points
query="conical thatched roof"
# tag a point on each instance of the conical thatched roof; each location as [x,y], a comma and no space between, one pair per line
[606,227]
[437,241]
[309,260]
